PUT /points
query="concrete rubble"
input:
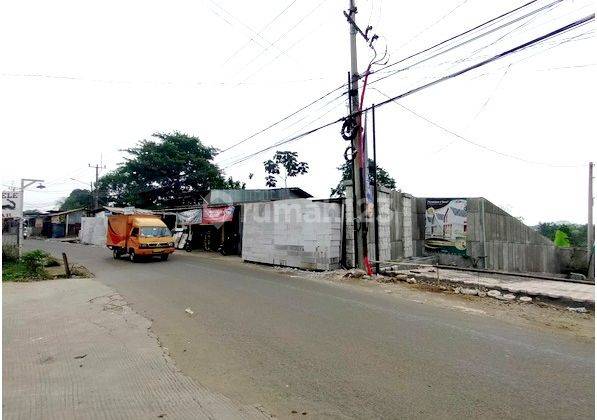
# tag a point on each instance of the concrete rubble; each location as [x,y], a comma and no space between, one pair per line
[580,310]
[498,285]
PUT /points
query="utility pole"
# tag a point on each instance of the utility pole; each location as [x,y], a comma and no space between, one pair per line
[357,181]
[96,195]
[590,230]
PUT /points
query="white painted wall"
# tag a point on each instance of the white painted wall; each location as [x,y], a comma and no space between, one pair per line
[93,230]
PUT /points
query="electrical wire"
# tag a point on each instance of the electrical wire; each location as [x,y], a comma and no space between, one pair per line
[499,56]
[257,34]
[434,23]
[438,44]
[236,157]
[272,125]
[420,88]
[461,34]
[281,51]
[326,105]
[471,142]
[261,31]
[462,43]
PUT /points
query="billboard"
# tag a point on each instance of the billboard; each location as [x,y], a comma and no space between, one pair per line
[12,204]
[445,225]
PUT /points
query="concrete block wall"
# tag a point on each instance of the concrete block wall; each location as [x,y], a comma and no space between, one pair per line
[385,217]
[294,233]
[510,244]
[505,244]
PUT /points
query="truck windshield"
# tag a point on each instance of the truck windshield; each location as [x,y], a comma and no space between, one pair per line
[155,232]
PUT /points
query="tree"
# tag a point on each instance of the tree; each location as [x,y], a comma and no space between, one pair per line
[561,239]
[576,234]
[77,199]
[383,178]
[171,170]
[288,163]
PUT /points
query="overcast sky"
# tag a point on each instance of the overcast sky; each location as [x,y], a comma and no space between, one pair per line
[81,80]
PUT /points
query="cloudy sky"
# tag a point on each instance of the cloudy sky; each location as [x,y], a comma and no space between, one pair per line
[80,80]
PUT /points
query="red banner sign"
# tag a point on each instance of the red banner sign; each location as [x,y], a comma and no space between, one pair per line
[215,215]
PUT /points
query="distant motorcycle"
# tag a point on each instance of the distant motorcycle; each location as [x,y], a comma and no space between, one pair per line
[228,246]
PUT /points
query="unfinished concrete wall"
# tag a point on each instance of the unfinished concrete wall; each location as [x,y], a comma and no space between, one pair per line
[294,233]
[495,240]
[510,245]
[384,222]
[401,225]
[418,221]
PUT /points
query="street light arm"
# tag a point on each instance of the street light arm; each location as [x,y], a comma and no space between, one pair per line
[30,182]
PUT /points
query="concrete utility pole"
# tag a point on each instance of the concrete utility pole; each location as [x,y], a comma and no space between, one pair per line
[590,238]
[25,182]
[354,98]
[96,195]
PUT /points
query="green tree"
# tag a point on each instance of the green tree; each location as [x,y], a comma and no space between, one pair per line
[76,199]
[383,178]
[576,234]
[170,170]
[283,165]
[561,239]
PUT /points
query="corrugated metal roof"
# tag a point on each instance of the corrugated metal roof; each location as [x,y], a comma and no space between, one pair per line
[253,196]
[60,213]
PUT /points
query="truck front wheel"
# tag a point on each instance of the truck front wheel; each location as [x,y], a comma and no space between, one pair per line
[132,255]
[115,253]
[164,257]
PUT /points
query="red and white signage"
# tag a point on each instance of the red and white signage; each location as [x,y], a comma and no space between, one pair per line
[215,215]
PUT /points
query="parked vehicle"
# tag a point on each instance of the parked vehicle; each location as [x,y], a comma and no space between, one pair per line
[138,236]
[230,245]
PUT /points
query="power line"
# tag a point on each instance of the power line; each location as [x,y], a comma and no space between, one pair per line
[282,120]
[468,31]
[294,138]
[578,37]
[229,161]
[434,23]
[496,57]
[154,82]
[540,25]
[276,41]
[471,142]
[462,43]
[495,89]
[390,65]
[243,24]
[261,31]
[499,56]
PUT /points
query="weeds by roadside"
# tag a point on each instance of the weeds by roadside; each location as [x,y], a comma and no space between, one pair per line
[31,266]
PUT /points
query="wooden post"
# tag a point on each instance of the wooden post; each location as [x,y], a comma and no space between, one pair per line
[66,267]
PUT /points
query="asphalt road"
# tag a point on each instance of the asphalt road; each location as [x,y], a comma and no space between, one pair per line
[290,344]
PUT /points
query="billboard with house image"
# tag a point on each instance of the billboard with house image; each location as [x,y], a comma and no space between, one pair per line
[445,225]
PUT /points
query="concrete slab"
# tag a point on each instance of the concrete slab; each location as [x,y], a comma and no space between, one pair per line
[73,348]
[576,292]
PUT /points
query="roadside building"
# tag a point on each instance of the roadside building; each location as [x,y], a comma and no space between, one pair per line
[217,223]
[56,224]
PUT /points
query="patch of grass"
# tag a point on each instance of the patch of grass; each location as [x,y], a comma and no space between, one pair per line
[31,266]
[16,271]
